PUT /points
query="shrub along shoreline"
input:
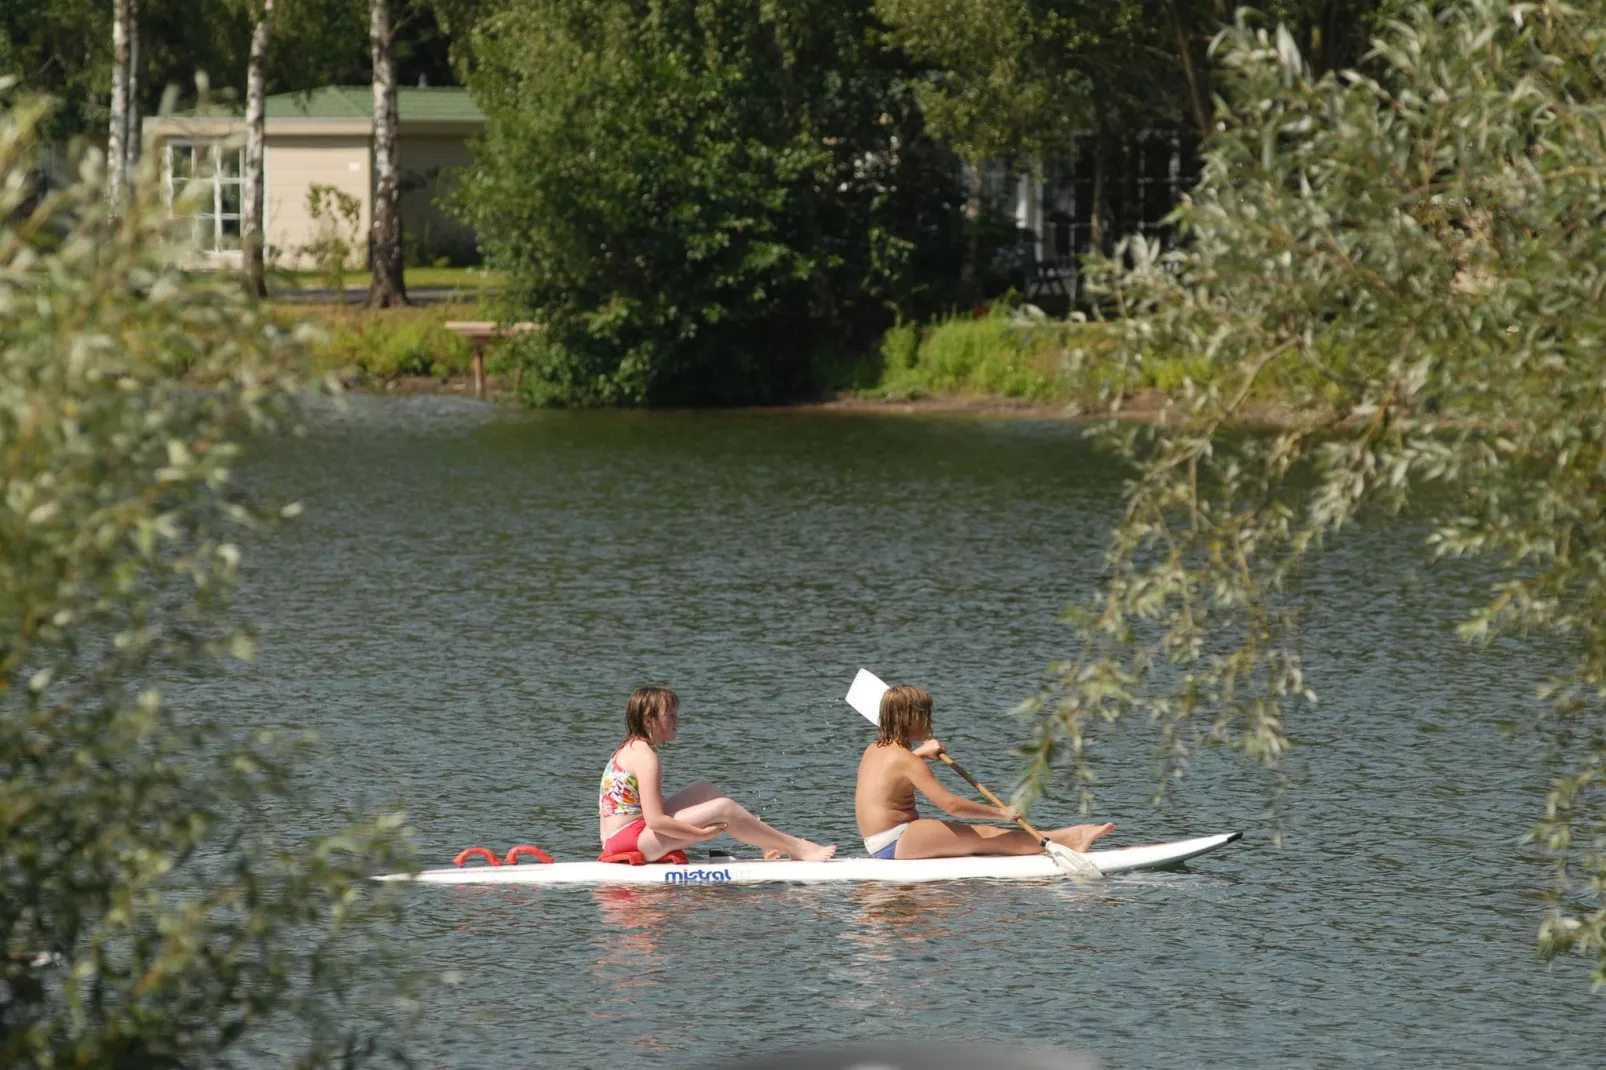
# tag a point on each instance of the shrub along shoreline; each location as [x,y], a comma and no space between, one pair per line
[1017,362]
[1006,363]
[391,349]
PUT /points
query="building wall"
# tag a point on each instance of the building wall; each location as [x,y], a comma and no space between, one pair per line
[301,154]
[294,165]
[429,166]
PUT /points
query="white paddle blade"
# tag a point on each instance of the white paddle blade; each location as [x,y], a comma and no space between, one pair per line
[865,696]
[1073,864]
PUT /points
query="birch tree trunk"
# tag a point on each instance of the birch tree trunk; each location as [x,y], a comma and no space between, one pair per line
[253,215]
[385,236]
[131,131]
[117,136]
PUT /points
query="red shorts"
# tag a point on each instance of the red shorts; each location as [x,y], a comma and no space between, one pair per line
[625,839]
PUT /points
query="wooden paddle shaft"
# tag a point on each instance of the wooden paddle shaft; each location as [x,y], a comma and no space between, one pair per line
[1021,821]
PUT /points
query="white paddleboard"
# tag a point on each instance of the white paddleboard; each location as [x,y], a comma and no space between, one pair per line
[757,871]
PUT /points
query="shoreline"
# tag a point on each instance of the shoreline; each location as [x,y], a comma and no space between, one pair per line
[1145,406]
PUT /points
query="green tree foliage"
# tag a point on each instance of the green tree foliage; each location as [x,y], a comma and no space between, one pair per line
[1013,77]
[338,238]
[697,199]
[64,48]
[1000,84]
[1002,80]
[1416,258]
[1332,34]
[150,913]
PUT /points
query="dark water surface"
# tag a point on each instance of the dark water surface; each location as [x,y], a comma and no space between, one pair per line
[471,595]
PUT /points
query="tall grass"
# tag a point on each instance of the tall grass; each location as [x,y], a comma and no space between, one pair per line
[961,355]
[382,345]
[1013,355]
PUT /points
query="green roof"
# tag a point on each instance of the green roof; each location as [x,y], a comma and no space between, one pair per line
[435,103]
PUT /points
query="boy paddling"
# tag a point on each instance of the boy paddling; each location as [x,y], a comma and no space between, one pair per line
[894,768]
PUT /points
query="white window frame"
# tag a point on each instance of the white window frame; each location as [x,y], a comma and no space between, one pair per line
[210,150]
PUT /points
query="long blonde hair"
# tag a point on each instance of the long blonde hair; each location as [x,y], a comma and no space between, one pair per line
[646,703]
[905,715]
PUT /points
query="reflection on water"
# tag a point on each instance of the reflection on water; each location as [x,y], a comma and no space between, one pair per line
[902,912]
[631,965]
[471,594]
[631,916]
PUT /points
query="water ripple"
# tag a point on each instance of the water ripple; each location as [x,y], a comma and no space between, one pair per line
[471,594]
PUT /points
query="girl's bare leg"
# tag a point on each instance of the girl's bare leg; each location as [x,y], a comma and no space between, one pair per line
[929,838]
[653,846]
[697,791]
[701,803]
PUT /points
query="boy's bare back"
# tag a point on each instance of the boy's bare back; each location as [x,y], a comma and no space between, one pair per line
[885,795]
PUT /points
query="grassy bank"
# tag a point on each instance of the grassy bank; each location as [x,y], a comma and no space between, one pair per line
[1005,355]
[466,281]
[368,347]
[994,363]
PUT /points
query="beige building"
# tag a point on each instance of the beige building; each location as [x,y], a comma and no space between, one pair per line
[322,138]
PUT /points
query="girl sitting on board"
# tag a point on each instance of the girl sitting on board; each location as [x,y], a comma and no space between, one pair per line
[637,817]
[890,773]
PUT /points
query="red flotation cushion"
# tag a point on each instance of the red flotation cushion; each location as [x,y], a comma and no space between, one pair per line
[636,858]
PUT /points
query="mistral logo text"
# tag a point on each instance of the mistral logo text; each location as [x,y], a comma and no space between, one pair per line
[696,876]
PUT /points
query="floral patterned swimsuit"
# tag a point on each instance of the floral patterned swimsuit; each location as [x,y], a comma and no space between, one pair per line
[620,793]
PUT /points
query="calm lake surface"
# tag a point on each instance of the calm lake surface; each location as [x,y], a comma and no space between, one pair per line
[472,594]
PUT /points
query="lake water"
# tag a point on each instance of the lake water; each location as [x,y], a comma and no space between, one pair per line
[472,594]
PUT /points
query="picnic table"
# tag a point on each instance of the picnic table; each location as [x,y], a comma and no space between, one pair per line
[478,332]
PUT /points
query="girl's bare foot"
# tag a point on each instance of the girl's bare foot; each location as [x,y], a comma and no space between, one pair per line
[814,852]
[1080,837]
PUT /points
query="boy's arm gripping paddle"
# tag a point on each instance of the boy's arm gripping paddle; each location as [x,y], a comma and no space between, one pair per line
[1072,862]
[865,696]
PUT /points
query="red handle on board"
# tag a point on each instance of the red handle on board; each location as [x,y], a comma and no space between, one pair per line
[476,852]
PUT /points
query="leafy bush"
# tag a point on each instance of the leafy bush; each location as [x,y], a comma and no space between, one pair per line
[149,914]
[1014,353]
[337,240]
[1414,252]
[392,343]
[900,349]
[698,199]
[996,354]
[992,356]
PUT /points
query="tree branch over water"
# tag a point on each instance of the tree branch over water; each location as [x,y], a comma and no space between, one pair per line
[1413,254]
[154,908]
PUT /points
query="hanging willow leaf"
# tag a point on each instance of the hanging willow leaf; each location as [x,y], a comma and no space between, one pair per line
[150,912]
[1414,255]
